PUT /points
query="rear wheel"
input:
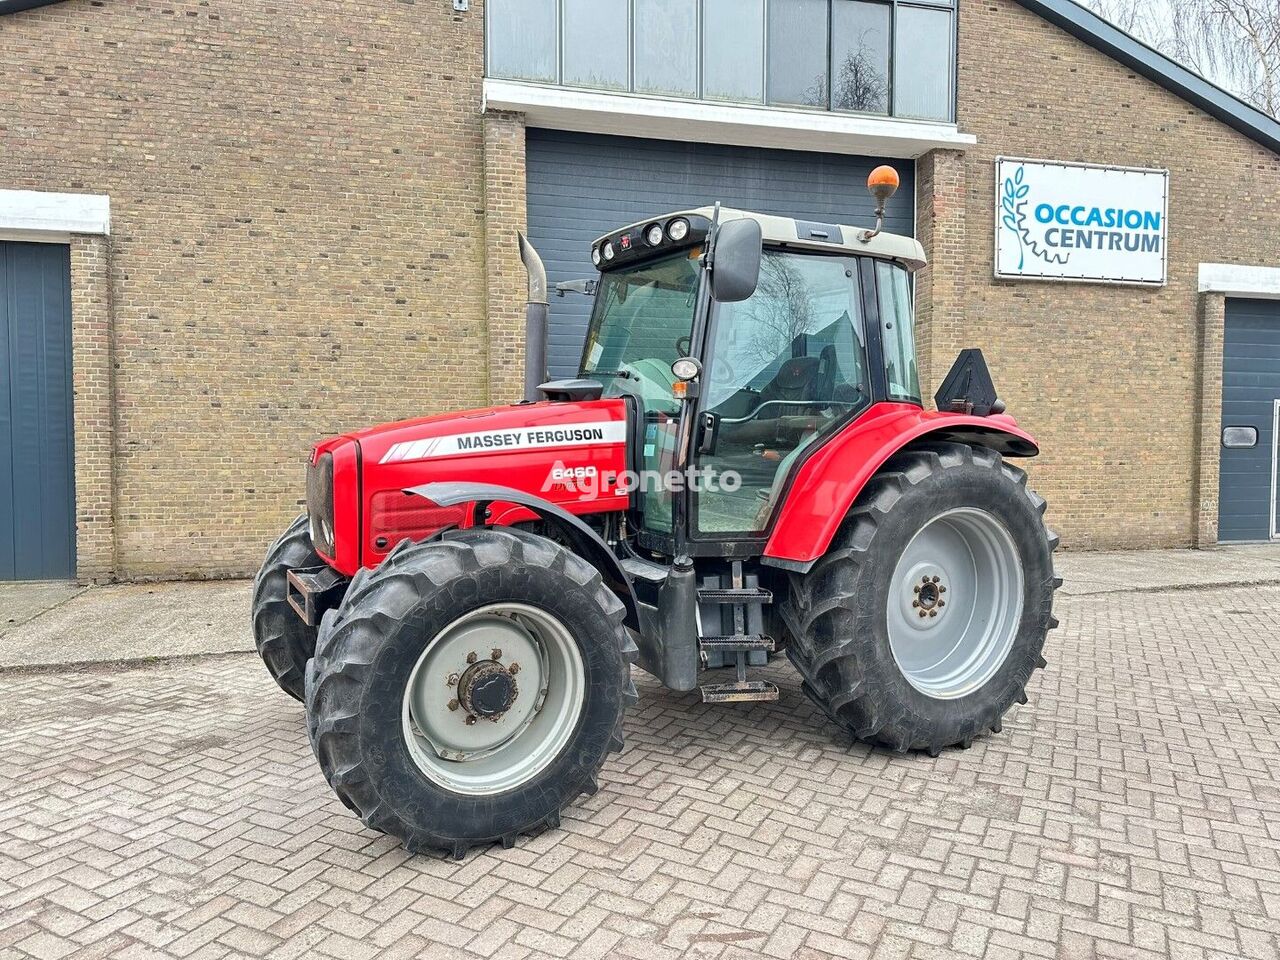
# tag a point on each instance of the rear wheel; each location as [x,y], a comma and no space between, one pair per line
[469,689]
[284,642]
[923,623]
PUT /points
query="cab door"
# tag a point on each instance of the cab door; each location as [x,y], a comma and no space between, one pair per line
[785,369]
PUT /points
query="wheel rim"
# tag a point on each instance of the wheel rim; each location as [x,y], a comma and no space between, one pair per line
[493,698]
[955,603]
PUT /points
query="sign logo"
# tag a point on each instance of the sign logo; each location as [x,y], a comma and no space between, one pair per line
[1065,221]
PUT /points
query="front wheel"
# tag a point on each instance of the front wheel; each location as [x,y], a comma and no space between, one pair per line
[469,688]
[284,642]
[923,623]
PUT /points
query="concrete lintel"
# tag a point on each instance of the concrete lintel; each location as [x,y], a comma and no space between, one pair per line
[665,118]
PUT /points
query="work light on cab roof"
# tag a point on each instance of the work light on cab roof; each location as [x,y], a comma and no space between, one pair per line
[743,464]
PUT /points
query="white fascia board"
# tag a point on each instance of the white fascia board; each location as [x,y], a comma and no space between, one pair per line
[663,118]
[1239,280]
[54,214]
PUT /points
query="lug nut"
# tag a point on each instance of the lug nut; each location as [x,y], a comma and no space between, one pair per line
[933,613]
[513,669]
[925,578]
[923,613]
[916,588]
[915,603]
[942,603]
[471,718]
[495,654]
[453,680]
[935,579]
[453,704]
[942,589]
[471,657]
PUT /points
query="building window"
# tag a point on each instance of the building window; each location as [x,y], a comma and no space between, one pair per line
[925,38]
[733,50]
[666,47]
[860,33]
[880,57]
[595,44]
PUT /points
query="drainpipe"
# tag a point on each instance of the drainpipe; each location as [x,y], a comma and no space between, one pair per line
[535,320]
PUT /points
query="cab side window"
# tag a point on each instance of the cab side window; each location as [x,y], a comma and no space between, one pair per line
[787,366]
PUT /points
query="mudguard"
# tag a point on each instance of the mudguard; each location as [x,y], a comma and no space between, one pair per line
[586,542]
[825,486]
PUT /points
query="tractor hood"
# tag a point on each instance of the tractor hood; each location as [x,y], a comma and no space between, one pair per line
[570,453]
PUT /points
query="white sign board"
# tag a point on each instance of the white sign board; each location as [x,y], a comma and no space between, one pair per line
[1075,221]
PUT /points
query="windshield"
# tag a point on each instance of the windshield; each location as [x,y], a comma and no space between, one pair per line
[641,322]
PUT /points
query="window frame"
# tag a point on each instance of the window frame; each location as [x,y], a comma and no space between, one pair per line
[700,40]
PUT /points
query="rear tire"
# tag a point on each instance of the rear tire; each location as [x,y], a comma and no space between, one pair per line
[392,665]
[877,652]
[284,642]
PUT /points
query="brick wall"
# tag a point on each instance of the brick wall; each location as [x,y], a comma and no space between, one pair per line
[298,244]
[1107,377]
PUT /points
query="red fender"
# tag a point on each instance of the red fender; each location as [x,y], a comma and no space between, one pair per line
[827,483]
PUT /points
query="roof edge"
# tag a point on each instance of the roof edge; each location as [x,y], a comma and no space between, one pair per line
[1086,25]
[17,6]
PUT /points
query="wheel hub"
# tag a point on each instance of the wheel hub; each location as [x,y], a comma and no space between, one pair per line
[956,603]
[451,690]
[487,689]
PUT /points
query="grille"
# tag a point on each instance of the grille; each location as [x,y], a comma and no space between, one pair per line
[320,504]
[396,516]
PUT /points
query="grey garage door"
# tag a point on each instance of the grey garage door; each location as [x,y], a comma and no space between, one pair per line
[583,185]
[1251,404]
[37,507]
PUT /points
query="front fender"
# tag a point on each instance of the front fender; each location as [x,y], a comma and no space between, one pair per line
[586,542]
[825,486]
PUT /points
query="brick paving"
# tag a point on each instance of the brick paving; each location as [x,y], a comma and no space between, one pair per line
[1132,809]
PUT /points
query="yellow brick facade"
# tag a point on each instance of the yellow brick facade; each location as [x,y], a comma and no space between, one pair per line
[314,229]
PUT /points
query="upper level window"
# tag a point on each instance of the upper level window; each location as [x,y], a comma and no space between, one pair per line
[886,57]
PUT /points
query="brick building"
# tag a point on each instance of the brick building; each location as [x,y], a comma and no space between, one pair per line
[227,229]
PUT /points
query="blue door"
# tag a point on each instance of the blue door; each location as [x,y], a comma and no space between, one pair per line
[1250,415]
[37,486]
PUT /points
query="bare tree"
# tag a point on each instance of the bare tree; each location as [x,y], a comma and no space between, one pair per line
[1235,43]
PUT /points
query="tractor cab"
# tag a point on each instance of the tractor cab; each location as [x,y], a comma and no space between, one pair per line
[756,337]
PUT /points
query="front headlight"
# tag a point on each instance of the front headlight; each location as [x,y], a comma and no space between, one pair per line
[320,504]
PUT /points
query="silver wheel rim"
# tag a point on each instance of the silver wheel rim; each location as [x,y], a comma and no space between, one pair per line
[508,655]
[955,603]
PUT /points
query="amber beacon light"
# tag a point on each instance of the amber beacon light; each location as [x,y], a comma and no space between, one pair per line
[882,183]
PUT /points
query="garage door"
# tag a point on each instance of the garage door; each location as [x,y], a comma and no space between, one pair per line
[583,185]
[37,508]
[1250,410]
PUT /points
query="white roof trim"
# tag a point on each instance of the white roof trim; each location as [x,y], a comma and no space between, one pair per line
[663,118]
[41,213]
[1238,280]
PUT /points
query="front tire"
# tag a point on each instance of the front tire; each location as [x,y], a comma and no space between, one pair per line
[921,626]
[469,689]
[284,642]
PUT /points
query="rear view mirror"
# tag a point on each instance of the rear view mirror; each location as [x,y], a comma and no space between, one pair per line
[736,270]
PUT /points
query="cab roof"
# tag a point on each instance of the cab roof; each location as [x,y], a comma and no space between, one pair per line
[804,235]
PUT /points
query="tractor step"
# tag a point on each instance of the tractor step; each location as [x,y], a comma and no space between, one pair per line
[734,644]
[741,692]
[739,595]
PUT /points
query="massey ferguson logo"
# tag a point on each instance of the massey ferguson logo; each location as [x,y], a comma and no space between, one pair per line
[523,438]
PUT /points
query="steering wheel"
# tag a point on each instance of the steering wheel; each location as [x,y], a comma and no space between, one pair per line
[683,346]
[723,370]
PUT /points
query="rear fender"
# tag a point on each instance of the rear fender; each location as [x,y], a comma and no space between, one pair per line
[822,490]
[586,542]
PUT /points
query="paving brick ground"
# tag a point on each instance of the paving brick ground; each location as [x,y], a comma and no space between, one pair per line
[1132,809]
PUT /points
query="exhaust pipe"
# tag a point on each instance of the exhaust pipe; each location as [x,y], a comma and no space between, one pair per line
[535,320]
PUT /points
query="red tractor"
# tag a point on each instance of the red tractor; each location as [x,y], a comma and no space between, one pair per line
[742,466]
